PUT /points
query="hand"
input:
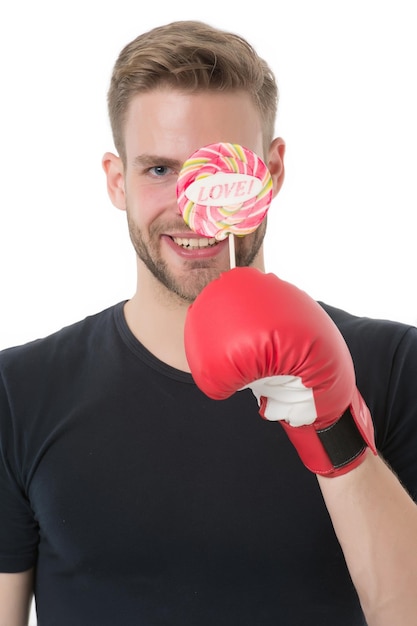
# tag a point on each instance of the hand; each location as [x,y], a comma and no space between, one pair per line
[249,329]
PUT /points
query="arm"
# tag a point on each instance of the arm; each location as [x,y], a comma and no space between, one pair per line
[16,592]
[271,337]
[376,524]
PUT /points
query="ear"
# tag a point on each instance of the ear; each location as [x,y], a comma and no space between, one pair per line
[276,163]
[114,171]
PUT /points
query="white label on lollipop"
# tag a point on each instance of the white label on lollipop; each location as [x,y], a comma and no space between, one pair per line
[223,189]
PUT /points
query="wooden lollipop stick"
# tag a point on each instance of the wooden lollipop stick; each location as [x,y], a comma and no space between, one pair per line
[232,253]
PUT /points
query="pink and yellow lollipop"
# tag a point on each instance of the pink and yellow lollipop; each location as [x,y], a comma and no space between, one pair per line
[224,189]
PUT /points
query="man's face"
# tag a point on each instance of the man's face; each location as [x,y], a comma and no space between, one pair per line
[163,128]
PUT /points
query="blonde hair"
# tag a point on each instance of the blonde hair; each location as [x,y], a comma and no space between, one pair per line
[190,56]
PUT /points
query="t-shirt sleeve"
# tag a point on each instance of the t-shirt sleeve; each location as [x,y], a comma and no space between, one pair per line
[384,353]
[18,528]
[397,433]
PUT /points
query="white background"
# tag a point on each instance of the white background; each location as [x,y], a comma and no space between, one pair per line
[342,228]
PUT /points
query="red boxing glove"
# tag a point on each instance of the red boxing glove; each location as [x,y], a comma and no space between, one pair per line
[249,329]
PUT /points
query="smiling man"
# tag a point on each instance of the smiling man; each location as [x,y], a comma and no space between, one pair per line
[129,495]
[163,128]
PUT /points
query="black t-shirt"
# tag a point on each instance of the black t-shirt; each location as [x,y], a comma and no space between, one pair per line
[142,502]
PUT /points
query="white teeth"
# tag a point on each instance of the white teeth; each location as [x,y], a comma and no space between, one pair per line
[203,242]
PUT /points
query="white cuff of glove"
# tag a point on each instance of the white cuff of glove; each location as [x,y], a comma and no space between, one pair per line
[287,399]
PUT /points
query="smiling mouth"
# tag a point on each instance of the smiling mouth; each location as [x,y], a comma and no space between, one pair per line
[194,243]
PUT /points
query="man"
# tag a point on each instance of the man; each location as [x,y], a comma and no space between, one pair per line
[131,497]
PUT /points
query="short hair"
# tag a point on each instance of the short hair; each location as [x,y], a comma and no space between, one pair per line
[190,56]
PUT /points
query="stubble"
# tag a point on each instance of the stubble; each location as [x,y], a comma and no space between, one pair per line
[196,274]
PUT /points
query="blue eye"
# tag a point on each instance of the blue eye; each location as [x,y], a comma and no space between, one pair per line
[159,170]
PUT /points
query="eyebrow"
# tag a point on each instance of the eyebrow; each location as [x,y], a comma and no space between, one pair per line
[149,160]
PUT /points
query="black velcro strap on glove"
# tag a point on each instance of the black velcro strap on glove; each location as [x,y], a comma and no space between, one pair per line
[342,441]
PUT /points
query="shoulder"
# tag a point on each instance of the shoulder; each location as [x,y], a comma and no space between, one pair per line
[372,337]
[384,354]
[64,345]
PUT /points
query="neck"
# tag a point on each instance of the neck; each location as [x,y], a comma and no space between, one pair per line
[156,318]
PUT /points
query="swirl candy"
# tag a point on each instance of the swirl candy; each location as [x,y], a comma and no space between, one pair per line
[224,189]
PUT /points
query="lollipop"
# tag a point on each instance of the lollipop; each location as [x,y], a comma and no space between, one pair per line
[224,189]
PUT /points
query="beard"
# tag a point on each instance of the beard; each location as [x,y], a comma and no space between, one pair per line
[196,274]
